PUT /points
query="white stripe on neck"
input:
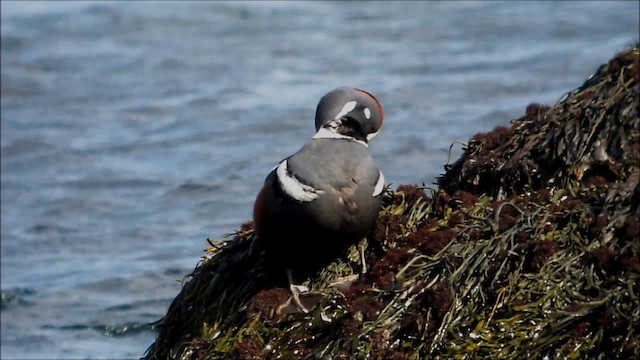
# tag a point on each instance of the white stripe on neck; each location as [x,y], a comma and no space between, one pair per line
[325,133]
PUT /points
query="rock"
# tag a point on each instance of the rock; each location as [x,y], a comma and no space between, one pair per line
[529,249]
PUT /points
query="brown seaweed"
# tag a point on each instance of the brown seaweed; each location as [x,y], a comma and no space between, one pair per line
[530,248]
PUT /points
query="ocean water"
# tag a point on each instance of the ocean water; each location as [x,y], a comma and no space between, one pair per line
[133,131]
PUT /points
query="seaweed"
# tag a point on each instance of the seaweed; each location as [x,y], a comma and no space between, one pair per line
[529,248]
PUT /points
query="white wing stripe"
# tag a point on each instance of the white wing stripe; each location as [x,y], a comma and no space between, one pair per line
[379,185]
[294,188]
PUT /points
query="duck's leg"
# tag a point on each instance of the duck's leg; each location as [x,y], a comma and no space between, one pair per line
[344,283]
[295,291]
[362,245]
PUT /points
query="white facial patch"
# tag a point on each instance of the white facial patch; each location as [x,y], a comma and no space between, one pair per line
[377,190]
[367,113]
[372,135]
[294,188]
[347,108]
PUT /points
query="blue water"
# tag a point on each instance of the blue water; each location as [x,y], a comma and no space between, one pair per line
[131,132]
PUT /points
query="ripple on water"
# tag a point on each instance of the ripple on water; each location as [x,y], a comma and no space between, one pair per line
[115,330]
[17,297]
[20,148]
[192,189]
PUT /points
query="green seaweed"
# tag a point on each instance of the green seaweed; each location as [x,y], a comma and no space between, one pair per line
[529,248]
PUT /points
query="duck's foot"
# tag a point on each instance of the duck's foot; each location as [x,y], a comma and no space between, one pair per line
[344,283]
[295,296]
[300,300]
[306,302]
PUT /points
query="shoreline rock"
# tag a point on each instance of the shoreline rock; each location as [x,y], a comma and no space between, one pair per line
[530,248]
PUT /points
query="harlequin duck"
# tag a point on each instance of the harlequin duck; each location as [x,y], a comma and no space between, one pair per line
[325,197]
